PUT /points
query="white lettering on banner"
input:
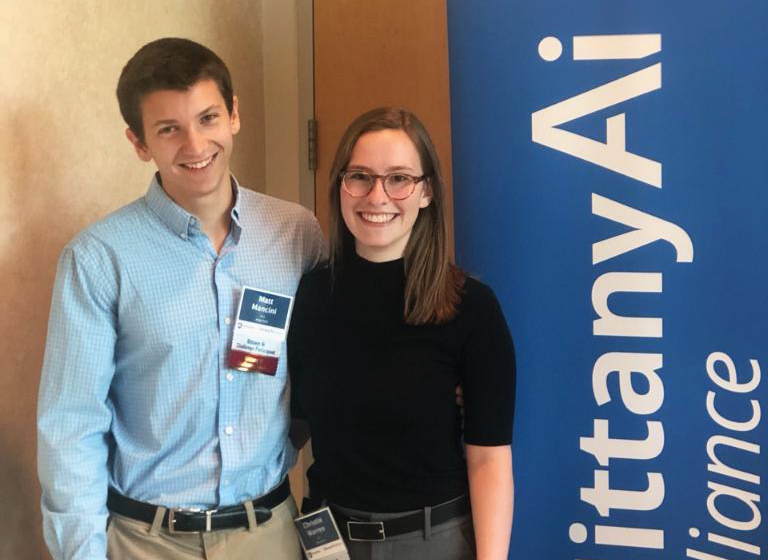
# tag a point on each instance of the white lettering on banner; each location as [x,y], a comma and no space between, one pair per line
[629,536]
[732,383]
[615,47]
[605,498]
[744,426]
[625,364]
[610,324]
[729,504]
[605,448]
[745,501]
[717,466]
[612,154]
[645,229]
[747,498]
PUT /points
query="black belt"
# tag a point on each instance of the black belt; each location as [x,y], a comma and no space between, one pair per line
[197,520]
[357,530]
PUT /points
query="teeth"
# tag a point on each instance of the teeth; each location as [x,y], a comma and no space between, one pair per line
[199,164]
[377,218]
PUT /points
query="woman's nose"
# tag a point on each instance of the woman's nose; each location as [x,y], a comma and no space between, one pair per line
[378,195]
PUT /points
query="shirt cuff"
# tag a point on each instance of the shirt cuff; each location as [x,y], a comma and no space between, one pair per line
[75,536]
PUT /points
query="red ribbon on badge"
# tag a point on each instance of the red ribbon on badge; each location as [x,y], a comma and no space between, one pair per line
[244,361]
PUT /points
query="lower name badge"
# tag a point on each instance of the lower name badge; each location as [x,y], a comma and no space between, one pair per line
[320,536]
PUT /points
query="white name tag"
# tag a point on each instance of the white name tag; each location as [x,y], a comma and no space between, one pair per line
[320,536]
[260,329]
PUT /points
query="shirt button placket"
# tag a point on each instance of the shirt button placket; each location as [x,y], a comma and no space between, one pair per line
[228,415]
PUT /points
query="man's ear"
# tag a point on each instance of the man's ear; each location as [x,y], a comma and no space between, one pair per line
[234,118]
[138,145]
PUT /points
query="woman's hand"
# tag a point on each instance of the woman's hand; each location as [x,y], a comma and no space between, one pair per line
[491,492]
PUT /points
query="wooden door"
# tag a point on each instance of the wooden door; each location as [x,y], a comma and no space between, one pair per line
[371,53]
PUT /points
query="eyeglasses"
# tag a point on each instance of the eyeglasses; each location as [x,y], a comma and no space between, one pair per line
[398,186]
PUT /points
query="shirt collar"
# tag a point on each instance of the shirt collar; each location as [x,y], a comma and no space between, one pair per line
[180,221]
[236,206]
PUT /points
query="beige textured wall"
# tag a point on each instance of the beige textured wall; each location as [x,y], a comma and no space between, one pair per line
[64,162]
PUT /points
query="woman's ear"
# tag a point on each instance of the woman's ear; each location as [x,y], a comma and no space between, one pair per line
[426,194]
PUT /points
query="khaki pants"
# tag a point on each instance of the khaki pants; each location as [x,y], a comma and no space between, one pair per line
[128,539]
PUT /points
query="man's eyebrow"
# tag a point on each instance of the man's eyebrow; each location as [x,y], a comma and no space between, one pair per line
[209,109]
[164,122]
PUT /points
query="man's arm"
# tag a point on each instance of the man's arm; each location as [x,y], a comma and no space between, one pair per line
[316,247]
[73,417]
[491,491]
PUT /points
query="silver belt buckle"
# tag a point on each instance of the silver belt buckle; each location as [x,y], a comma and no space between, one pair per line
[172,519]
[380,524]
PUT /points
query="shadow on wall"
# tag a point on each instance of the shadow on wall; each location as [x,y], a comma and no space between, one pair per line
[44,211]
[40,226]
[240,46]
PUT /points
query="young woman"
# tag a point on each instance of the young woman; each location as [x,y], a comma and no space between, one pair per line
[379,341]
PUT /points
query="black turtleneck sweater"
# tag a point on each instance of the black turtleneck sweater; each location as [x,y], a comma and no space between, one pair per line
[379,394]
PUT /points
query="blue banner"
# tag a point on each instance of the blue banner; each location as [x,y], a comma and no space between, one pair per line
[611,185]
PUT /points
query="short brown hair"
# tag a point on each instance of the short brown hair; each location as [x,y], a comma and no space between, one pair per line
[169,63]
[433,284]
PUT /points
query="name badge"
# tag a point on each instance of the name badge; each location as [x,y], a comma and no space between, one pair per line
[320,536]
[262,323]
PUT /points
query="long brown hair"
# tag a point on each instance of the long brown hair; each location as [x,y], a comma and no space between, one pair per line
[432,283]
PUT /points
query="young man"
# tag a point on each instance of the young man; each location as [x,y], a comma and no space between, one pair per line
[140,419]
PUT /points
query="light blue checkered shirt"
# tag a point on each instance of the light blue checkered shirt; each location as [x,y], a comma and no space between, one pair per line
[135,390]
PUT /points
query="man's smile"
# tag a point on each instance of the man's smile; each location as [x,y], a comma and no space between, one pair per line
[202,164]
